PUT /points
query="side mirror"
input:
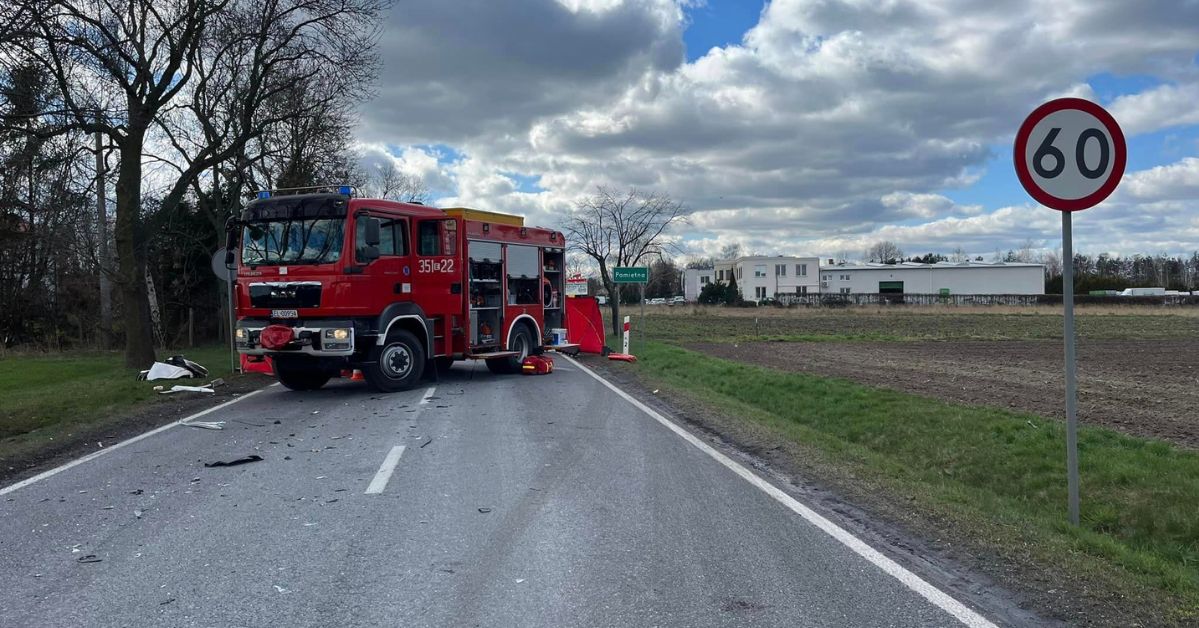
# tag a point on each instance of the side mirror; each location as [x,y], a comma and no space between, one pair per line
[368,253]
[230,244]
[371,225]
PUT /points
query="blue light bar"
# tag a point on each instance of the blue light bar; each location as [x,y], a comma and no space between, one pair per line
[345,189]
[264,194]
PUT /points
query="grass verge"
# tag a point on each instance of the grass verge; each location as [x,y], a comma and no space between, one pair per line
[995,475]
[45,397]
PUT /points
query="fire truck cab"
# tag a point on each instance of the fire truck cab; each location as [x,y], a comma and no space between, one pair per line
[328,281]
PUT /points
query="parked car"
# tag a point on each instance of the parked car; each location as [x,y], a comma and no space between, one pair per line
[678,300]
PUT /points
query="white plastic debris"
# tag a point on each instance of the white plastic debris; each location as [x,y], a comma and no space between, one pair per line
[161,370]
[177,388]
[206,425]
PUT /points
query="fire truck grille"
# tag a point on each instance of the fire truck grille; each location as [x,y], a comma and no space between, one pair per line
[285,295]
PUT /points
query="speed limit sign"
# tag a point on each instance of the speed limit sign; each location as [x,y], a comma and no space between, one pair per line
[1070,154]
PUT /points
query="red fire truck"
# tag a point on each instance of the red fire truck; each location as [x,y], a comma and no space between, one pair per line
[328,281]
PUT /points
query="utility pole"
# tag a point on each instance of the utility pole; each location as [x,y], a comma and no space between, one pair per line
[102,236]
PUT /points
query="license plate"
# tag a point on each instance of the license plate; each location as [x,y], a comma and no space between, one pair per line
[285,314]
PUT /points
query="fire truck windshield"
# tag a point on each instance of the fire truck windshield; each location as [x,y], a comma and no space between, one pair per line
[316,241]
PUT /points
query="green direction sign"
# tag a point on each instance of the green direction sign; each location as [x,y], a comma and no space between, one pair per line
[630,274]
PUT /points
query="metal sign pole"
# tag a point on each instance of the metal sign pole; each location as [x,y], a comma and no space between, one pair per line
[1071,382]
[643,329]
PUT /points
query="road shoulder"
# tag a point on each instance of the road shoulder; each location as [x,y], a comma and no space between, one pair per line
[926,547]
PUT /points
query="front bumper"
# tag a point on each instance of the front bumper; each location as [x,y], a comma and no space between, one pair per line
[309,339]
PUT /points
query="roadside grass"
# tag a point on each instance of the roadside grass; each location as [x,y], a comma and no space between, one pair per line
[46,396]
[998,475]
[711,324]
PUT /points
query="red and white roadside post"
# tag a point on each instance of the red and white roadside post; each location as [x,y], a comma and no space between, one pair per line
[1070,155]
[625,346]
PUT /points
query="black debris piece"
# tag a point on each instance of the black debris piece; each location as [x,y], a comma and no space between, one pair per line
[426,443]
[484,510]
[90,558]
[234,462]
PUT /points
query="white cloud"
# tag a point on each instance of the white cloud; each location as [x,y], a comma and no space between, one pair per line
[1158,108]
[833,124]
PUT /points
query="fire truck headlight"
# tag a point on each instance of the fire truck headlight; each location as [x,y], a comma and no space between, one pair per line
[242,335]
[340,335]
[337,338]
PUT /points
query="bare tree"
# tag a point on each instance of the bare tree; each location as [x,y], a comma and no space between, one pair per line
[621,230]
[132,68]
[958,255]
[388,181]
[732,250]
[886,252]
[114,67]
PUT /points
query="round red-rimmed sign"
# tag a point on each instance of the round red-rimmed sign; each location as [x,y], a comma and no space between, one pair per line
[1069,154]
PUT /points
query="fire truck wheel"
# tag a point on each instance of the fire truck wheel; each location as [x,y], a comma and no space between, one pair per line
[397,365]
[299,378]
[522,343]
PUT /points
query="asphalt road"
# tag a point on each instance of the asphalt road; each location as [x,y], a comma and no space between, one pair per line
[517,501]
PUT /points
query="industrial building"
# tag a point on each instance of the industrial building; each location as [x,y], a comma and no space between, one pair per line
[761,277]
[943,278]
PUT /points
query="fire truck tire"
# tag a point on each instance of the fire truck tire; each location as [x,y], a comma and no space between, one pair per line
[522,343]
[397,365]
[299,378]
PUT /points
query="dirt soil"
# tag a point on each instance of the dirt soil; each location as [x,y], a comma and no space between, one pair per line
[1146,388]
[87,439]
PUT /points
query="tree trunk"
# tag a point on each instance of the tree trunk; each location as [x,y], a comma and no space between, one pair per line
[131,253]
[613,298]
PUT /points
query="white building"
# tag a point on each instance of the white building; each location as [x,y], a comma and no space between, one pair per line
[940,278]
[761,277]
[694,280]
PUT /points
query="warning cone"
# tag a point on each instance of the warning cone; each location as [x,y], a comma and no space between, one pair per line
[357,376]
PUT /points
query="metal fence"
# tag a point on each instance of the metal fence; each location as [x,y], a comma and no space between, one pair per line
[856,299]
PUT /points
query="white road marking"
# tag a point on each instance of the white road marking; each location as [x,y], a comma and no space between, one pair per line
[934,595]
[92,456]
[428,393]
[384,474]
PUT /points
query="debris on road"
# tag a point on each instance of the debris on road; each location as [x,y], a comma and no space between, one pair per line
[175,367]
[138,514]
[281,589]
[166,601]
[426,443]
[177,388]
[235,462]
[89,558]
[484,510]
[206,425]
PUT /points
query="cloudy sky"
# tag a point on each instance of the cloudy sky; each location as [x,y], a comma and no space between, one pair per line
[793,126]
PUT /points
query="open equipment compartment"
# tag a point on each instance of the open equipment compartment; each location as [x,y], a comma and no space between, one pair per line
[553,289]
[486,293]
